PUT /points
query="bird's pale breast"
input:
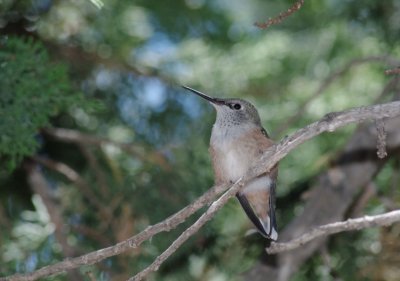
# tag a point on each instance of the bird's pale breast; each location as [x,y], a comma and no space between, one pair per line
[232,157]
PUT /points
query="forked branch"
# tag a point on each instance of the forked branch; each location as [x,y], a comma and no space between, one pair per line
[329,123]
[268,160]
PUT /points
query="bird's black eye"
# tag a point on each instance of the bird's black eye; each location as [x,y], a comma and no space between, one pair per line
[236,106]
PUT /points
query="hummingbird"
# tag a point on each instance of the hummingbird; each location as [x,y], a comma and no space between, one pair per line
[237,141]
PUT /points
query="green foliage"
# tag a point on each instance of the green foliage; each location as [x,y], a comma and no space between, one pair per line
[132,56]
[33,89]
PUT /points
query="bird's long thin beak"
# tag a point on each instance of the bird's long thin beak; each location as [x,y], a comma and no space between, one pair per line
[204,96]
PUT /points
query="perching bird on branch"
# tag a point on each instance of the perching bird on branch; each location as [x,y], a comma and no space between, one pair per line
[237,141]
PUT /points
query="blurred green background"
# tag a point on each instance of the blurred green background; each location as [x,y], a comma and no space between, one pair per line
[110,71]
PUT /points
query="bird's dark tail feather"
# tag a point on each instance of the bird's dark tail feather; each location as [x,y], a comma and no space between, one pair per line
[266,228]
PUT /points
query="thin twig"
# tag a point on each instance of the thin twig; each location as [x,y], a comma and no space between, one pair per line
[76,55]
[73,136]
[368,192]
[329,123]
[324,230]
[278,19]
[83,186]
[102,239]
[328,81]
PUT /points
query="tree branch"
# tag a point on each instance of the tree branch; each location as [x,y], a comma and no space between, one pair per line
[73,176]
[217,205]
[128,244]
[73,136]
[329,123]
[393,71]
[330,197]
[39,185]
[332,228]
[278,19]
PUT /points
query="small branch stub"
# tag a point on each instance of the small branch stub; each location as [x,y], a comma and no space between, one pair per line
[393,71]
[381,141]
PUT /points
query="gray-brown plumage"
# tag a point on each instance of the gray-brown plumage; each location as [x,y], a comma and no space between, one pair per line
[237,141]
